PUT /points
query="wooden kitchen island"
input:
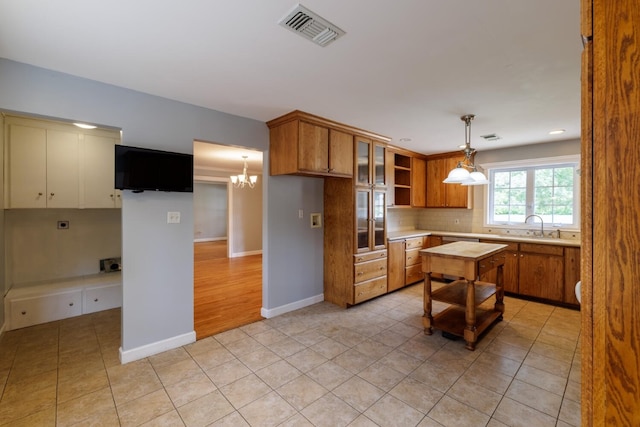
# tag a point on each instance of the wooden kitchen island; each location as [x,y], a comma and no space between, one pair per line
[467,261]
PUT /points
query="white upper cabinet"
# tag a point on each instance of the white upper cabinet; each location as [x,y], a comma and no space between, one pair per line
[56,165]
[97,168]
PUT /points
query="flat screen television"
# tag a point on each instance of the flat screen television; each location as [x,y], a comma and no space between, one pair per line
[142,169]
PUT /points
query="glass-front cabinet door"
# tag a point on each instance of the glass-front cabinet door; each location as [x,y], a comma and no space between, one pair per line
[379,223]
[379,159]
[363,162]
[363,223]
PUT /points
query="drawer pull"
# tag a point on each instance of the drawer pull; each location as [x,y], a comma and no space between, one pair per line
[481,265]
[70,304]
[409,257]
[95,300]
[24,312]
[360,273]
[359,259]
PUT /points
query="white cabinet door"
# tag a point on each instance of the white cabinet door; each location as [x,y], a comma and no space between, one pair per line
[47,308]
[98,170]
[62,169]
[102,298]
[27,173]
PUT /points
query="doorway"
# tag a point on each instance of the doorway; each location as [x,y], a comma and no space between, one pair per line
[227,239]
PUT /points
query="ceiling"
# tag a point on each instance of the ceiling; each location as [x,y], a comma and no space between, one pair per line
[406,69]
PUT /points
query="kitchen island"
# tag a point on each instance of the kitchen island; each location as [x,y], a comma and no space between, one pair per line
[468,261]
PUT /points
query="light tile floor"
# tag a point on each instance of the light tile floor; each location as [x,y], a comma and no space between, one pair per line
[369,365]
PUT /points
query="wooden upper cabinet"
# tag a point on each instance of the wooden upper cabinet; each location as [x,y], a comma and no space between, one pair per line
[440,195]
[303,148]
[340,153]
[418,182]
[304,144]
[313,148]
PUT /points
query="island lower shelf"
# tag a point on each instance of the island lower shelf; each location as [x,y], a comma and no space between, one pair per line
[452,319]
[456,292]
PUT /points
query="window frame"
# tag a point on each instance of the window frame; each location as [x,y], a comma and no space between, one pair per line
[491,168]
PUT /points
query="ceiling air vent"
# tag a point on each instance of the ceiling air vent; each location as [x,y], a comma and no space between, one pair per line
[490,137]
[311,26]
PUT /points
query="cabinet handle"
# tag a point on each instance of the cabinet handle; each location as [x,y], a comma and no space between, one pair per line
[359,259]
[95,300]
[39,194]
[70,304]
[409,257]
[360,273]
[521,256]
[382,268]
[24,312]
[52,194]
[111,195]
[481,265]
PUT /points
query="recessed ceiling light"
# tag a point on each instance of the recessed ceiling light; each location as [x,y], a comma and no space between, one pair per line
[85,126]
[556,132]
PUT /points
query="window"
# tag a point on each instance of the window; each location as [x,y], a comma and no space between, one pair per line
[545,188]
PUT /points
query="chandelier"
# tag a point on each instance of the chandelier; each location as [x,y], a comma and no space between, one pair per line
[243,179]
[460,174]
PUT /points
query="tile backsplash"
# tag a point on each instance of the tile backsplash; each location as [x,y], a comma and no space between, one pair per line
[458,220]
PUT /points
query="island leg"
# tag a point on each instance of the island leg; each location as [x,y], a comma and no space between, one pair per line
[427,319]
[499,306]
[470,316]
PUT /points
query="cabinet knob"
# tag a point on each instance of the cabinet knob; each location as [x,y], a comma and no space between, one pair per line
[24,312]
[382,268]
[409,257]
[70,304]
[521,256]
[52,194]
[39,194]
[95,300]
[360,273]
[111,195]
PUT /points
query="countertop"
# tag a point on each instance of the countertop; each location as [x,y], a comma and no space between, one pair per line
[405,234]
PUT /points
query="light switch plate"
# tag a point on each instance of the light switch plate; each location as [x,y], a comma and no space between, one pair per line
[173,217]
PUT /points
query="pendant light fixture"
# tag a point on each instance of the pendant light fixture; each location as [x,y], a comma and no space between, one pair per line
[460,174]
[243,179]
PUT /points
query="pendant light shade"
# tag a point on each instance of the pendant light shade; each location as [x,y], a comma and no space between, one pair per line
[460,174]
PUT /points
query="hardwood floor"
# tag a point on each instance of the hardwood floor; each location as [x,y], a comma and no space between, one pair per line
[227,291]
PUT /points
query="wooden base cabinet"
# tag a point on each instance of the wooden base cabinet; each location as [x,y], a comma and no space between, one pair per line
[404,263]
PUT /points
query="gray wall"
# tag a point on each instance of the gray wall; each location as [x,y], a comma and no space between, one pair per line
[246,219]
[210,211]
[158,257]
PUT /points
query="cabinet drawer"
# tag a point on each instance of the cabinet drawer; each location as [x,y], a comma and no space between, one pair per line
[542,249]
[102,298]
[414,243]
[47,308]
[369,289]
[413,274]
[370,269]
[368,256]
[412,257]
[490,263]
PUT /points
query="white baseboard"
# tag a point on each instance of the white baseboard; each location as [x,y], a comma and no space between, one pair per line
[241,254]
[156,347]
[209,239]
[291,306]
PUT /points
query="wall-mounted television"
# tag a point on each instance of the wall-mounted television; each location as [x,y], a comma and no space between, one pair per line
[142,169]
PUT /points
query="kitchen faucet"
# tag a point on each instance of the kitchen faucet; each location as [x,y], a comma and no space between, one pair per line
[541,223]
